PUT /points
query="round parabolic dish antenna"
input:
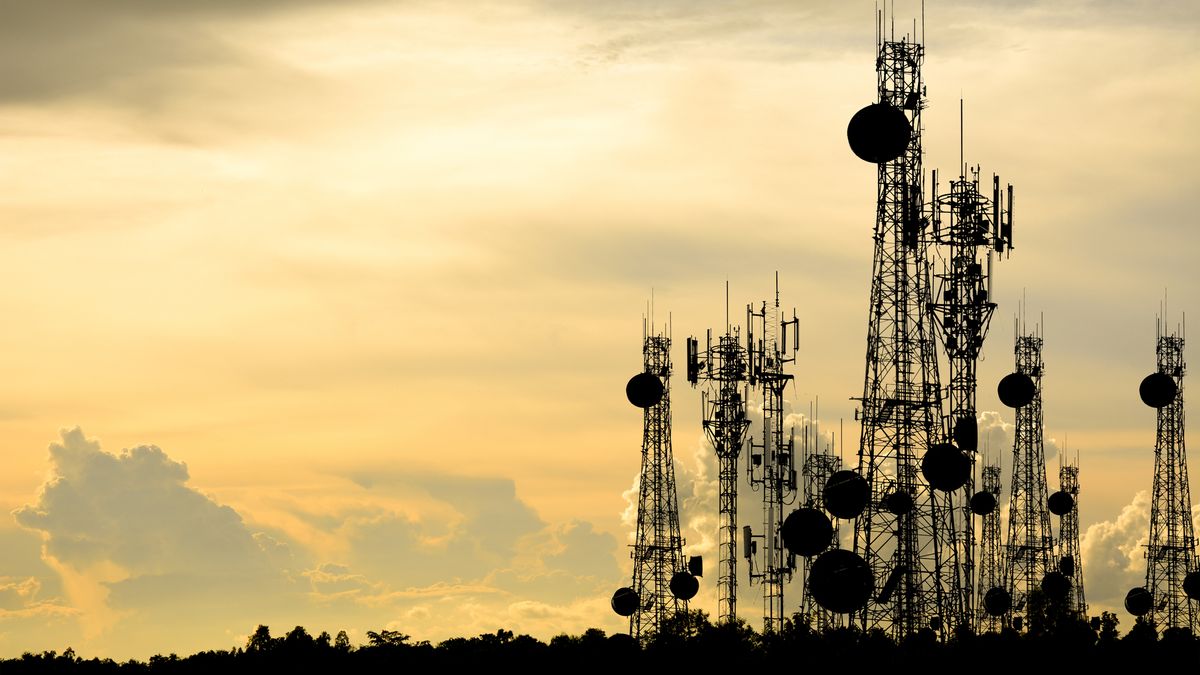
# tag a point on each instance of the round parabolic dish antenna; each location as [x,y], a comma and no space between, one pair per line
[684,586]
[846,494]
[1158,389]
[644,390]
[1191,585]
[1138,601]
[997,601]
[1016,390]
[945,467]
[898,503]
[1056,584]
[983,503]
[841,581]
[1061,503]
[625,601]
[879,133]
[807,532]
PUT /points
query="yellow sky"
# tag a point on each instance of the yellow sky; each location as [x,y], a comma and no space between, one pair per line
[330,257]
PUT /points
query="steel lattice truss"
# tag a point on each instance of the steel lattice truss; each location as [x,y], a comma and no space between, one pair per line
[1171,552]
[968,226]
[815,471]
[1030,543]
[658,550]
[724,369]
[1068,537]
[771,466]
[991,554]
[901,407]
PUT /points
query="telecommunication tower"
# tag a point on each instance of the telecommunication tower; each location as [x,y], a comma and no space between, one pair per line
[902,531]
[771,465]
[723,367]
[1172,592]
[1030,544]
[662,584]
[816,468]
[986,503]
[1070,560]
[969,228]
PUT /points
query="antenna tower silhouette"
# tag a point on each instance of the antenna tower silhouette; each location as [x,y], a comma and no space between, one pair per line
[771,466]
[1171,597]
[816,468]
[969,228]
[662,584]
[902,533]
[723,368]
[991,554]
[1030,543]
[1070,561]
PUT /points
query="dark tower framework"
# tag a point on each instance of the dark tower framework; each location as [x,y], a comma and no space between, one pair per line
[1070,559]
[1030,544]
[816,466]
[723,368]
[991,554]
[969,227]
[1171,551]
[771,467]
[900,409]
[658,550]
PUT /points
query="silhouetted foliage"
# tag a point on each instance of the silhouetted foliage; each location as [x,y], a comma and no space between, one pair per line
[1055,639]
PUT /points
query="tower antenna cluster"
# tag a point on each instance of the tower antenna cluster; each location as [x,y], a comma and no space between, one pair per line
[723,369]
[772,341]
[662,585]
[1170,600]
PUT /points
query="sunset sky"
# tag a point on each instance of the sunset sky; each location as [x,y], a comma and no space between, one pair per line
[321,313]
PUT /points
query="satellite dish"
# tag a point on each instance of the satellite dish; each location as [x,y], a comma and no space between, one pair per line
[1061,503]
[684,586]
[879,133]
[1158,389]
[945,467]
[1066,565]
[1056,584]
[841,581]
[1191,585]
[807,532]
[983,503]
[966,434]
[1016,390]
[644,390]
[625,601]
[846,494]
[997,601]
[898,503]
[1138,601]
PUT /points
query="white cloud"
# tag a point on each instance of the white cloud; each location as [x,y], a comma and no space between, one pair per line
[1114,555]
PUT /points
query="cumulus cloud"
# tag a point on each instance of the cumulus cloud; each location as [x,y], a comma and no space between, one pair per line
[128,537]
[1114,557]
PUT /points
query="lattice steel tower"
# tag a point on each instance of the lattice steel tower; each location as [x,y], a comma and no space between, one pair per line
[900,409]
[816,466]
[968,227]
[991,554]
[771,467]
[1030,544]
[1171,552]
[658,550]
[723,368]
[1069,555]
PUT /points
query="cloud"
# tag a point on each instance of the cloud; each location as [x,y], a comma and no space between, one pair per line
[1114,557]
[129,538]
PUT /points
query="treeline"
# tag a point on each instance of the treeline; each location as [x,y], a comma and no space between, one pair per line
[689,639]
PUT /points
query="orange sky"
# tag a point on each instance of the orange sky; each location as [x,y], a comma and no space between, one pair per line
[375,273]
